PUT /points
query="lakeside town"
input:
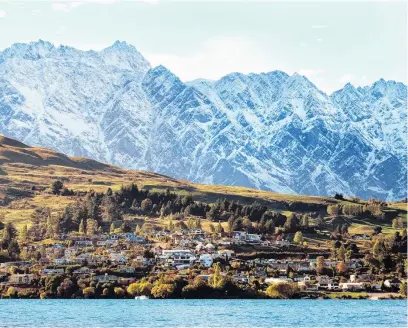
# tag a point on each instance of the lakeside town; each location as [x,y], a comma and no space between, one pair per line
[135,243]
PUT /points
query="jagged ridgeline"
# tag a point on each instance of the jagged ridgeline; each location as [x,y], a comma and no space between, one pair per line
[269,131]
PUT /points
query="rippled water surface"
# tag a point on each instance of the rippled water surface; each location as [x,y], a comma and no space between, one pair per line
[202,313]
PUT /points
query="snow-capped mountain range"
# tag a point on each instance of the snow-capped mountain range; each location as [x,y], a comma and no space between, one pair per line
[271,130]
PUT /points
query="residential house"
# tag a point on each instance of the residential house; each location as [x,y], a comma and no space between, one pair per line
[83,243]
[351,286]
[53,272]
[272,280]
[63,261]
[82,272]
[21,279]
[127,269]
[392,283]
[206,260]
[106,278]
[324,281]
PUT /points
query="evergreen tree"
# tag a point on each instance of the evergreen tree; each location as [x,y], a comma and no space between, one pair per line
[125,226]
[292,223]
[56,187]
[13,249]
[9,233]
[269,226]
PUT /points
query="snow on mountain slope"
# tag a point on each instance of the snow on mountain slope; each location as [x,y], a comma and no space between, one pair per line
[271,130]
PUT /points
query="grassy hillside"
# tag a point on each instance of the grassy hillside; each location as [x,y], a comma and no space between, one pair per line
[26,174]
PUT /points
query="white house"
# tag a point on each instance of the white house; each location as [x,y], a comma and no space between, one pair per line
[106,278]
[206,260]
[63,261]
[351,286]
[271,280]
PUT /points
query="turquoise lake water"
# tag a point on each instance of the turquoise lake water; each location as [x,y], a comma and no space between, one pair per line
[202,313]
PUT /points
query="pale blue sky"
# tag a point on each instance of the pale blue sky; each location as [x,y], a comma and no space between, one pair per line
[330,42]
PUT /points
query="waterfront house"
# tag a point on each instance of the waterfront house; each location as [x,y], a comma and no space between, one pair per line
[351,286]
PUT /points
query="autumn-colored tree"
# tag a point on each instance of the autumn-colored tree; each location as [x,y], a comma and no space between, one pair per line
[305,221]
[91,227]
[23,234]
[216,278]
[163,290]
[319,264]
[281,290]
[341,253]
[298,239]
[403,289]
[88,292]
[341,267]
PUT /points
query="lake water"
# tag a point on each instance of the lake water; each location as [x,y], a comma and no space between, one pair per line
[202,313]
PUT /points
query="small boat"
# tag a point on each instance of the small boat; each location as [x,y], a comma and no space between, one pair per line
[141,297]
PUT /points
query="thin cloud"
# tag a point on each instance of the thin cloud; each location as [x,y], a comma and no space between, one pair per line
[310,72]
[320,26]
[347,78]
[69,5]
[216,57]
[66,6]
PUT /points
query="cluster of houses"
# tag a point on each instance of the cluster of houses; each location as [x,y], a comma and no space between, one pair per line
[129,256]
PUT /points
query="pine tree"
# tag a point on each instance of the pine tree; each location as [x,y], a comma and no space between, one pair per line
[13,249]
[56,187]
[269,226]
